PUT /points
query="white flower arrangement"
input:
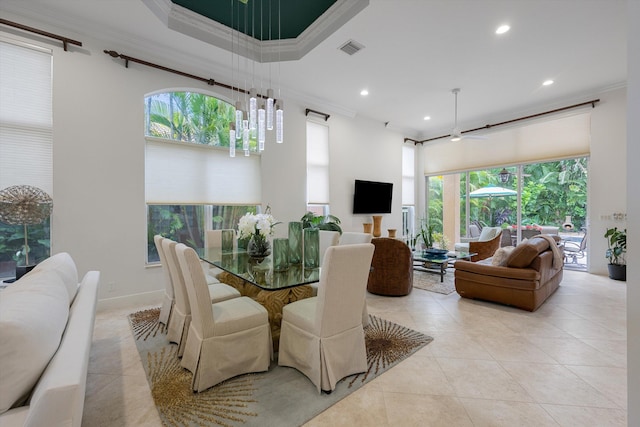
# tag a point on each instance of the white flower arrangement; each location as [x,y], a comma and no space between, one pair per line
[256,225]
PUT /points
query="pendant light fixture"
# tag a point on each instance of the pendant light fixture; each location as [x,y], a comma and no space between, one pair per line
[263,113]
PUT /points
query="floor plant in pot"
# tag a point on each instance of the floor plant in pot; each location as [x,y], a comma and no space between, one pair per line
[616,253]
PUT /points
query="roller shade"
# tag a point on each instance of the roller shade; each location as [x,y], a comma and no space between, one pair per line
[317,164]
[408,175]
[556,138]
[184,173]
[26,121]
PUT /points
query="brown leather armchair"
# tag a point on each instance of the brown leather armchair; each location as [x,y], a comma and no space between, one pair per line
[391,268]
[485,249]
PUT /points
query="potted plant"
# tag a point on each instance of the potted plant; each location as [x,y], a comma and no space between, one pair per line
[321,222]
[617,248]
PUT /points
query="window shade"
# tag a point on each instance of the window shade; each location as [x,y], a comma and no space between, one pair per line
[184,173]
[26,124]
[556,138]
[317,164]
[408,175]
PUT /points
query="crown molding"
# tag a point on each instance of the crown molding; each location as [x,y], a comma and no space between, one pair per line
[187,22]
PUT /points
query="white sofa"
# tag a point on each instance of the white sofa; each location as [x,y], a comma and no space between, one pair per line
[46,328]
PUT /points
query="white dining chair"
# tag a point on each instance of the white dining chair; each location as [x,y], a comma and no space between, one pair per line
[323,336]
[181,318]
[225,339]
[168,299]
[352,237]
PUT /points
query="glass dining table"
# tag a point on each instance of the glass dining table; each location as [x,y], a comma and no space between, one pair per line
[257,279]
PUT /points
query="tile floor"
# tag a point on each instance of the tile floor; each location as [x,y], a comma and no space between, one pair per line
[489,365]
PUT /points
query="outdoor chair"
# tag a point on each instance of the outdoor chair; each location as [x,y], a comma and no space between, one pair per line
[575,250]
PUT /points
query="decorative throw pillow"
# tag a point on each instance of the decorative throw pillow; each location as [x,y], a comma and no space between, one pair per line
[33,316]
[62,264]
[523,255]
[501,256]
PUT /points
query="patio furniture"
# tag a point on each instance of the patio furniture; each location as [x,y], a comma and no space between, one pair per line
[484,246]
[575,250]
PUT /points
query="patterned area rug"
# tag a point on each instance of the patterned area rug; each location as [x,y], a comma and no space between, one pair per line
[280,397]
[431,282]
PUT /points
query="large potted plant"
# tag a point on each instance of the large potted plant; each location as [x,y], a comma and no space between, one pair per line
[616,251]
[321,222]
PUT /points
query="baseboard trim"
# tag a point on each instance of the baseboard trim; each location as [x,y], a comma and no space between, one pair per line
[131,301]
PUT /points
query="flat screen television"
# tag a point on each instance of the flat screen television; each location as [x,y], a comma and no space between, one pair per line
[371,197]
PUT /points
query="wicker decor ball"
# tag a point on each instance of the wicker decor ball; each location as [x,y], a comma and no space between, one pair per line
[24,204]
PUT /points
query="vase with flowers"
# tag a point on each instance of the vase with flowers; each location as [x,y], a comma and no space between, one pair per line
[257,228]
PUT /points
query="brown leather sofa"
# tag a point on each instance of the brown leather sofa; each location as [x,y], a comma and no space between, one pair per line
[528,277]
[391,268]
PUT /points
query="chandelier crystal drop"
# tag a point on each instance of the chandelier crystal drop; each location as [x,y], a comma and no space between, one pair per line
[239,120]
[232,139]
[279,122]
[269,109]
[253,111]
[261,126]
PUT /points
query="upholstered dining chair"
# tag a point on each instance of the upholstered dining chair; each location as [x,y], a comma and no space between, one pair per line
[181,317]
[327,238]
[168,300]
[323,336]
[352,237]
[225,339]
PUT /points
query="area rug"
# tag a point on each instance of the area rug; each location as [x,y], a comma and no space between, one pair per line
[431,282]
[281,397]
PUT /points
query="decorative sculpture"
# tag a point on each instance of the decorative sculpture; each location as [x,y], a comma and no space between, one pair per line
[24,205]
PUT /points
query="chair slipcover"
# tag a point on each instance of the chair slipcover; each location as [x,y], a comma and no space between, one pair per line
[225,339]
[352,237]
[168,299]
[181,317]
[327,238]
[323,336]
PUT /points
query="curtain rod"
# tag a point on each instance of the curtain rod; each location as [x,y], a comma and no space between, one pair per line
[532,116]
[210,82]
[65,40]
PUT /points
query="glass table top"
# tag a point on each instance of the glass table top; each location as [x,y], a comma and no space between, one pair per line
[259,272]
[449,256]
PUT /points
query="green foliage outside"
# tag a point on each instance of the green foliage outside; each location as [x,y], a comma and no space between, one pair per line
[186,223]
[12,245]
[550,192]
[190,117]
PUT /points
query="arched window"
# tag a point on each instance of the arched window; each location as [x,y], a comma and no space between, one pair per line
[190,184]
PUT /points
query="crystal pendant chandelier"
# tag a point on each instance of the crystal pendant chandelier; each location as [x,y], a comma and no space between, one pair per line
[263,112]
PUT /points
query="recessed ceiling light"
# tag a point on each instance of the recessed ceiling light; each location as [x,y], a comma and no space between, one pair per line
[427,117]
[503,29]
[364,92]
[547,82]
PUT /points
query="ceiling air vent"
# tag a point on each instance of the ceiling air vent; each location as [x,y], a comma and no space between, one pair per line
[351,47]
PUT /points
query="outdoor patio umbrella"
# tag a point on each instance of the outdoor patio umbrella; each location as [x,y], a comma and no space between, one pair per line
[491,192]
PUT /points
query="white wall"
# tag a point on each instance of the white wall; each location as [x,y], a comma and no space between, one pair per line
[633,212]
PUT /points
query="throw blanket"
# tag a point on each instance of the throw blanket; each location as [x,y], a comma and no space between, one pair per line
[557,256]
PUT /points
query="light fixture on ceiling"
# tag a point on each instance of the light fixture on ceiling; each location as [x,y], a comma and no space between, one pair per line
[427,118]
[250,125]
[547,82]
[364,92]
[502,29]
[504,175]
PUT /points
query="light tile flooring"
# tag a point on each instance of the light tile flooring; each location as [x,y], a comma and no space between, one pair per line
[488,365]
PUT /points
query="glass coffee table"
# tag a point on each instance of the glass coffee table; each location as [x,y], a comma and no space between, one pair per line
[424,261]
